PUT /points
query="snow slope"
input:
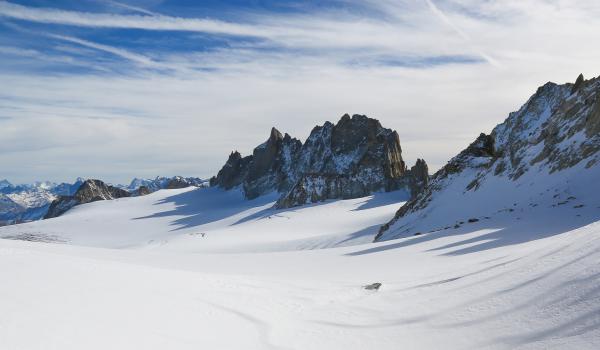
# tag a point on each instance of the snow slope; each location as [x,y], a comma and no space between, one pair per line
[214,220]
[256,281]
[541,164]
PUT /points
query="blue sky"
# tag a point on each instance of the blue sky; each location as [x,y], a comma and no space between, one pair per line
[117,89]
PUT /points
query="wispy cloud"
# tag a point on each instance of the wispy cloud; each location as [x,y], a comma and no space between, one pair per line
[99,20]
[134,57]
[131,8]
[204,86]
[460,32]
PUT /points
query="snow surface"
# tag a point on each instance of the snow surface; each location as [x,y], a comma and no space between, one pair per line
[203,268]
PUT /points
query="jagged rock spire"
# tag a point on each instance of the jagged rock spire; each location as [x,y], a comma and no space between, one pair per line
[349,159]
[578,83]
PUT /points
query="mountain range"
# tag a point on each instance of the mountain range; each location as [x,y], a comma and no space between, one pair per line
[330,243]
[29,202]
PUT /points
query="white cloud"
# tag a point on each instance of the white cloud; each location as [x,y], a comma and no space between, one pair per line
[137,58]
[88,19]
[187,120]
[130,7]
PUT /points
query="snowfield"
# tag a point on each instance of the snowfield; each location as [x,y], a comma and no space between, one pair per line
[203,268]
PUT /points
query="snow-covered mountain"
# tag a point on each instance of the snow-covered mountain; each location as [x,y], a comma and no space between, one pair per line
[161,182]
[8,209]
[350,159]
[32,200]
[29,202]
[540,164]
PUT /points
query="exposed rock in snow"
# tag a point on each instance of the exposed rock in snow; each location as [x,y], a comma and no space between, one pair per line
[350,159]
[543,155]
[89,191]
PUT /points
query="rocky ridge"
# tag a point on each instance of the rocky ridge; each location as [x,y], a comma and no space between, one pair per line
[549,146]
[350,159]
[95,190]
[89,191]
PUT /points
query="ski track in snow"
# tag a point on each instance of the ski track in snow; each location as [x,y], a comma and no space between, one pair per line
[138,273]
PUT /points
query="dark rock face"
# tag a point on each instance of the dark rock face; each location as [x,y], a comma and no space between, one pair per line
[269,168]
[96,190]
[233,172]
[418,177]
[578,83]
[89,191]
[350,159]
[373,286]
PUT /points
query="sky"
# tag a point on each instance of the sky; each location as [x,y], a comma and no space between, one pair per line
[121,89]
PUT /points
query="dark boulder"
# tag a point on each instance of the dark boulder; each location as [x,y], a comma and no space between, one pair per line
[372,286]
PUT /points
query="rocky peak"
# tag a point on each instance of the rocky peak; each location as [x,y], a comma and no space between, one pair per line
[550,144]
[267,169]
[274,136]
[89,191]
[233,172]
[97,190]
[349,159]
[578,83]
[354,142]
[418,177]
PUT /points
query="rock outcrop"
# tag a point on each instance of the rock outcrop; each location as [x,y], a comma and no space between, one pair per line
[350,159]
[547,149]
[268,169]
[89,191]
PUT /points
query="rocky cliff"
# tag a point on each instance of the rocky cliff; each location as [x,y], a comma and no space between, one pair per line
[89,191]
[543,156]
[269,168]
[350,159]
